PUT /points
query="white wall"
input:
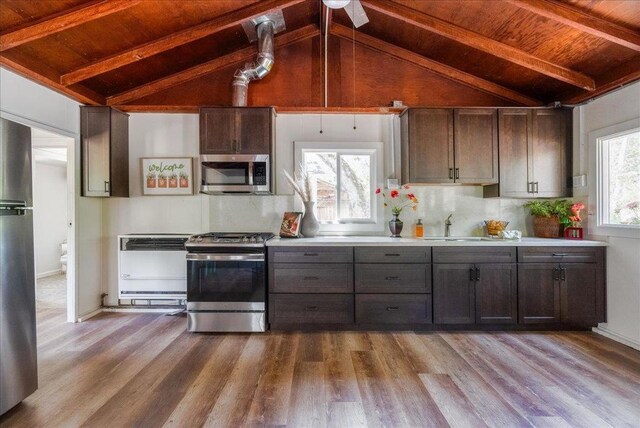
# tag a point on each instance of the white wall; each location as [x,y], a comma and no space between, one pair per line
[24,101]
[623,254]
[49,215]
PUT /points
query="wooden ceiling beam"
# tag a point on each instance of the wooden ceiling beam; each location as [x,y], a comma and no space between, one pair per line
[245,54]
[434,66]
[480,42]
[77,92]
[173,40]
[620,76]
[575,18]
[62,21]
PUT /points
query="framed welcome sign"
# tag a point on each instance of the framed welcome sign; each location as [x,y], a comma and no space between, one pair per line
[167,176]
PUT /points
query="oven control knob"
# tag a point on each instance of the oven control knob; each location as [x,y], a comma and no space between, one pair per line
[259,239]
[245,239]
[253,239]
[199,239]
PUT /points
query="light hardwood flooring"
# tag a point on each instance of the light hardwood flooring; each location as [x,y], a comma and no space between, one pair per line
[144,370]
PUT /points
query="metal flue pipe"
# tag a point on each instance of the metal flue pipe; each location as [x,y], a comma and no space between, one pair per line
[259,68]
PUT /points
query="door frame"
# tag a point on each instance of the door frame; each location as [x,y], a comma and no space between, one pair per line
[73,189]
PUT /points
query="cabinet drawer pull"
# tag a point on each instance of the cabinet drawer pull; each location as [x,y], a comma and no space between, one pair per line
[457,173]
[393,308]
[560,254]
[106,187]
[472,274]
[477,274]
[529,186]
[310,254]
[392,255]
[311,278]
[450,173]
[311,308]
[556,274]
[392,278]
[563,274]
[535,187]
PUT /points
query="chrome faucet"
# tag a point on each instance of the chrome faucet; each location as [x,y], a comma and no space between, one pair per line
[447,226]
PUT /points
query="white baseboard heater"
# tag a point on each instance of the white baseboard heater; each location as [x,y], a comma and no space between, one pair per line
[152,267]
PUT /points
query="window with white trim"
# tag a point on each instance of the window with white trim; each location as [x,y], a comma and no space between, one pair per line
[618,176]
[344,178]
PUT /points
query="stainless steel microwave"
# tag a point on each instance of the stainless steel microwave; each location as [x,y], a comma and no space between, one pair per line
[235,174]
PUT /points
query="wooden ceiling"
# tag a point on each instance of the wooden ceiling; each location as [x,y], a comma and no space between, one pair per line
[176,55]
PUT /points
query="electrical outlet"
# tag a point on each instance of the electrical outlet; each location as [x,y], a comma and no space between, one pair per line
[579,181]
[392,183]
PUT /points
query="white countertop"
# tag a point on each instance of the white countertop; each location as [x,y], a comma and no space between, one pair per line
[383,241]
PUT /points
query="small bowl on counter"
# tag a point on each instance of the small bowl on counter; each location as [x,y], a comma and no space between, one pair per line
[495,227]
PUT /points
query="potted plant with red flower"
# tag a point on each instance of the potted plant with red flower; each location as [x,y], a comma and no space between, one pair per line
[398,200]
[574,231]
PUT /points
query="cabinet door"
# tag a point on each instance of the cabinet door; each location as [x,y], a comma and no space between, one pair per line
[538,293]
[95,124]
[514,134]
[254,130]
[454,299]
[550,152]
[496,294]
[218,130]
[431,146]
[578,293]
[476,145]
[119,154]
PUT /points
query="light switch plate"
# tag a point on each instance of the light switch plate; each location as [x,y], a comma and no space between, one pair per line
[392,183]
[579,181]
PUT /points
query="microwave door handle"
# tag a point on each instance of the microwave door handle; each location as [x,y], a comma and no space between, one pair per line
[250,183]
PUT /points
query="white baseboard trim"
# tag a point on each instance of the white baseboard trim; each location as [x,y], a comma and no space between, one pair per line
[142,310]
[617,337]
[92,314]
[50,273]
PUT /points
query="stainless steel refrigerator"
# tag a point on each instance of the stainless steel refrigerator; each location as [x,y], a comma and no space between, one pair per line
[18,359]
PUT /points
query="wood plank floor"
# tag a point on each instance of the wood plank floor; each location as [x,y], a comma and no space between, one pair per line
[145,370]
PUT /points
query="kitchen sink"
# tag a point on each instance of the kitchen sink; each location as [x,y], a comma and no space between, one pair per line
[456,238]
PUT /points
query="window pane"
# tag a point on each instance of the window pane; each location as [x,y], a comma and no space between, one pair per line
[355,182]
[624,178]
[322,168]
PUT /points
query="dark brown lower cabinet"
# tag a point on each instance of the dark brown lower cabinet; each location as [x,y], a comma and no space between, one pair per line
[311,308]
[454,300]
[497,293]
[579,303]
[475,293]
[393,309]
[538,293]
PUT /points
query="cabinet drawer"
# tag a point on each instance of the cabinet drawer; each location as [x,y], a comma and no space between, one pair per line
[393,309]
[311,308]
[474,255]
[400,278]
[311,278]
[393,255]
[559,254]
[311,255]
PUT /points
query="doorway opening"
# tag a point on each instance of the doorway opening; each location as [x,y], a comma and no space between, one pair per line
[53,187]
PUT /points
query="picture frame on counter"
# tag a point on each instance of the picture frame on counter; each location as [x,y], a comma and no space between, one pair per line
[290,226]
[167,176]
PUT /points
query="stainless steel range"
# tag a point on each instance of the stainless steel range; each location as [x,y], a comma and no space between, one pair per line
[226,282]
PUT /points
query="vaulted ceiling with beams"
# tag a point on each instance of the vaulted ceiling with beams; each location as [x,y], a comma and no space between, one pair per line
[177,55]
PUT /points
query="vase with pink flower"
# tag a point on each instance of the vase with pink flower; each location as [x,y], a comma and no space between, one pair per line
[575,231]
[398,200]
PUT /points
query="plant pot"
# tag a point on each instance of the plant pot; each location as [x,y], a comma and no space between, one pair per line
[395,226]
[546,227]
[309,226]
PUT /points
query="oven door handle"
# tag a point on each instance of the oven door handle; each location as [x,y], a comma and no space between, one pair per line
[224,257]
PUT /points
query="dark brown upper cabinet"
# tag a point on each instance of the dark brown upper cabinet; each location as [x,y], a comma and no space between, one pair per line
[450,146]
[105,151]
[535,154]
[242,130]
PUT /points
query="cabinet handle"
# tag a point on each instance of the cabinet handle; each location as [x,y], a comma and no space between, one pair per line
[106,187]
[472,274]
[535,187]
[450,173]
[392,278]
[559,254]
[457,173]
[235,146]
[392,255]
[311,278]
[311,308]
[477,274]
[556,274]
[529,186]
[310,254]
[563,274]
[393,308]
